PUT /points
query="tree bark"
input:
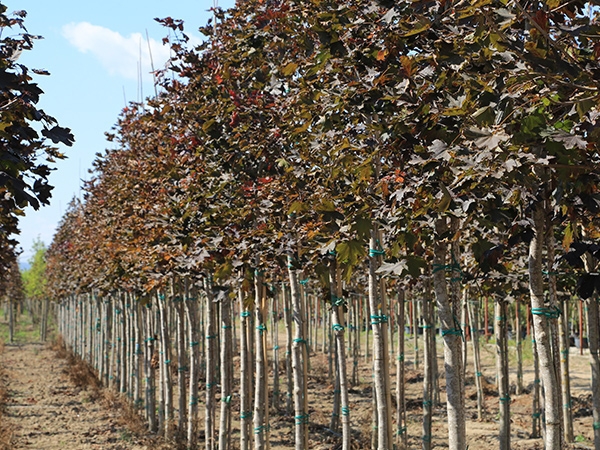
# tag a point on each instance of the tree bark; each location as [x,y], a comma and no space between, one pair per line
[502,371]
[541,315]
[452,344]
[298,366]
[474,320]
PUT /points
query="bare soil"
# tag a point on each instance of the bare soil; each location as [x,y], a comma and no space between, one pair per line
[46,409]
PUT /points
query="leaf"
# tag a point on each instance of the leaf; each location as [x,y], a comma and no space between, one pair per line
[570,140]
[224,270]
[297,207]
[59,135]
[289,69]
[484,116]
[207,126]
[445,201]
[417,28]
[362,227]
[490,140]
[568,237]
[351,252]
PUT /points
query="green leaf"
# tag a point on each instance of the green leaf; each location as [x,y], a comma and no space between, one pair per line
[289,69]
[584,106]
[568,237]
[297,207]
[484,116]
[351,252]
[362,227]
[207,126]
[224,270]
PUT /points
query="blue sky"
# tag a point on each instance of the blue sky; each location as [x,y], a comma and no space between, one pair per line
[92,50]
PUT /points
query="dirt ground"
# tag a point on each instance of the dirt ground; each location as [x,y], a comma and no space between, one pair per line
[47,411]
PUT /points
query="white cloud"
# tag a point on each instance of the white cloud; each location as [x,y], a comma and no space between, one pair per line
[118,54]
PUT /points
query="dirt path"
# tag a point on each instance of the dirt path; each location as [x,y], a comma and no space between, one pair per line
[46,411]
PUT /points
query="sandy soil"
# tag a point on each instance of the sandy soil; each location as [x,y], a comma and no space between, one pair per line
[47,412]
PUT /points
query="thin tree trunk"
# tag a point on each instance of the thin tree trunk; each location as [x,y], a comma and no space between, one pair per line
[401,434]
[245,368]
[226,375]
[298,367]
[287,316]
[164,362]
[378,309]
[337,316]
[261,430]
[476,359]
[541,315]
[211,367]
[536,407]
[502,371]
[593,337]
[428,331]
[182,367]
[519,388]
[452,345]
[192,416]
[564,372]
[11,322]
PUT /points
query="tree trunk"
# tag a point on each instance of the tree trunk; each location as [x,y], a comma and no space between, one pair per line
[502,371]
[428,342]
[593,337]
[11,322]
[451,333]
[287,316]
[337,318]
[519,388]
[245,368]
[164,362]
[298,366]
[564,372]
[211,367]
[401,434]
[473,319]
[379,319]
[541,315]
[226,374]
[192,416]
[261,405]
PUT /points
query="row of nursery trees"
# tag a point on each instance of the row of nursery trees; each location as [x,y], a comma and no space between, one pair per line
[344,149]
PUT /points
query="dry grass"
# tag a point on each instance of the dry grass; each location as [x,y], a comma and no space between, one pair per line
[6,432]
